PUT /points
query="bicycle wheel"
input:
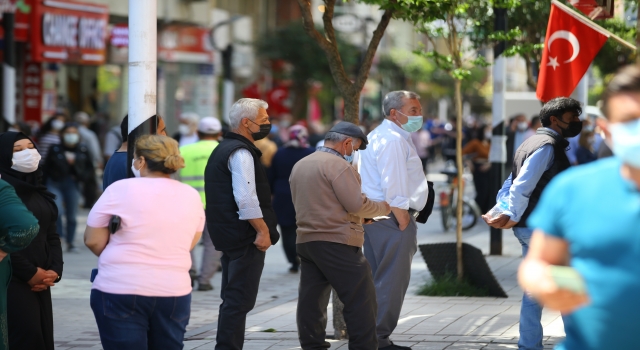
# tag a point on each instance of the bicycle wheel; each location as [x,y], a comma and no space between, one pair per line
[469,216]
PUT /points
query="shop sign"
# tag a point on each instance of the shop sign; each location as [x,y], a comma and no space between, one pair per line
[595,9]
[32,82]
[119,36]
[185,44]
[69,31]
[21,10]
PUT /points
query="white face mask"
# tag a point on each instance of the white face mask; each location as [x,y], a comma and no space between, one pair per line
[523,126]
[184,129]
[136,172]
[26,161]
[57,125]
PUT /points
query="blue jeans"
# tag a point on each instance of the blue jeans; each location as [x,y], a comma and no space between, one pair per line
[67,197]
[530,311]
[134,322]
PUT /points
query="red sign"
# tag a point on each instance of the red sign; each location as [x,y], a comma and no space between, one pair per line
[595,9]
[185,44]
[120,35]
[68,31]
[32,91]
[21,29]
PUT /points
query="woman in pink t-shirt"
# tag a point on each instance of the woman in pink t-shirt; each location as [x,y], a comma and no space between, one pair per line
[141,297]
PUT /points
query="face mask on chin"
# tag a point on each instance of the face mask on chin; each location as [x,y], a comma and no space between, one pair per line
[265,130]
[625,142]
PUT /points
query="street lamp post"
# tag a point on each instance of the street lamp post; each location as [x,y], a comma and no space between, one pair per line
[143,65]
[8,73]
[227,69]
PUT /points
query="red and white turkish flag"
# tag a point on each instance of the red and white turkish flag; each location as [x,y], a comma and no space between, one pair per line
[571,45]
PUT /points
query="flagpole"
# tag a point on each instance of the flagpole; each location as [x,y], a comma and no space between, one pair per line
[594,26]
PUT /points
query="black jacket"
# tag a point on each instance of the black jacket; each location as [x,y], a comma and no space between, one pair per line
[560,164]
[225,227]
[57,168]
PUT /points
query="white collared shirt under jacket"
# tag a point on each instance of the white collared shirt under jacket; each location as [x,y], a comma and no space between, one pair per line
[391,170]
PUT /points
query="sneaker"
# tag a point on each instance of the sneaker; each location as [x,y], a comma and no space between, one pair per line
[203,287]
[72,249]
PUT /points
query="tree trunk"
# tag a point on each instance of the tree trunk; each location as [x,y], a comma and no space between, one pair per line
[299,105]
[339,325]
[458,87]
[638,34]
[352,107]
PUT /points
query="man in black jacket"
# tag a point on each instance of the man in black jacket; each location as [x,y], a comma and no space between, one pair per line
[241,220]
[539,159]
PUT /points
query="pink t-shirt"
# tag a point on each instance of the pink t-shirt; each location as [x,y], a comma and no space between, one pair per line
[149,255]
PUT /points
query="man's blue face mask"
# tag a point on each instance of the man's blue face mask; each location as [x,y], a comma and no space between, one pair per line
[625,139]
[350,158]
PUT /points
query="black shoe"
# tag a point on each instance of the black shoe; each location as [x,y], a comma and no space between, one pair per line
[294,269]
[395,347]
[203,287]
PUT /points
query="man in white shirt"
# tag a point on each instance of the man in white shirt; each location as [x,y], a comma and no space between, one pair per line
[391,171]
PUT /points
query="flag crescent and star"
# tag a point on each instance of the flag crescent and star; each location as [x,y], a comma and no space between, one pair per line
[569,48]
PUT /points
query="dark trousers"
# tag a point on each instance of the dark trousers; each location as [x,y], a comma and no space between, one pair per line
[29,317]
[67,198]
[289,244]
[241,272]
[132,322]
[325,265]
[90,192]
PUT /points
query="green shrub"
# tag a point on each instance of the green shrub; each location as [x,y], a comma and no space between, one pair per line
[449,286]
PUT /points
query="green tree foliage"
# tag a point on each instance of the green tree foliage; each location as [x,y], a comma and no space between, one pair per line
[527,22]
[291,44]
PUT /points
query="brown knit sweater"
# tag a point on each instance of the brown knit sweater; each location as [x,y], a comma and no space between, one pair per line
[328,200]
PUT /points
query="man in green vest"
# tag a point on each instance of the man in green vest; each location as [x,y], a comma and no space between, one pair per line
[196,156]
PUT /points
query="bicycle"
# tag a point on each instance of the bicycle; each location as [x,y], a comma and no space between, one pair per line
[448,201]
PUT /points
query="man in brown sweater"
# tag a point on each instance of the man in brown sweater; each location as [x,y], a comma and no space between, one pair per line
[330,210]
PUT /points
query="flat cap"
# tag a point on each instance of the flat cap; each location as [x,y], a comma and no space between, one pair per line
[352,130]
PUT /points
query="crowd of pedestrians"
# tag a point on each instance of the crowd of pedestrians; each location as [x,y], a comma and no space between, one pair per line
[346,204]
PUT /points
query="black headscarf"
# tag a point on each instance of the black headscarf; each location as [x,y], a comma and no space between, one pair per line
[24,184]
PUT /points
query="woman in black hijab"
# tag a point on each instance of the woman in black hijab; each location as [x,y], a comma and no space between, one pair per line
[36,268]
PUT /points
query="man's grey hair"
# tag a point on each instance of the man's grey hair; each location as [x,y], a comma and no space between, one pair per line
[395,100]
[245,108]
[336,137]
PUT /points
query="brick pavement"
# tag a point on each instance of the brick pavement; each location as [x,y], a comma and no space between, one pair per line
[425,323]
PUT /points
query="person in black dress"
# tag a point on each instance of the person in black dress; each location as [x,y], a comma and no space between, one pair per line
[36,268]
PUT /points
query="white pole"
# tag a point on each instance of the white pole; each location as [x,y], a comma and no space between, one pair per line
[498,152]
[143,43]
[228,99]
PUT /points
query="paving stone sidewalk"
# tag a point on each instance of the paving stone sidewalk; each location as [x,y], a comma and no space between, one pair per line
[425,323]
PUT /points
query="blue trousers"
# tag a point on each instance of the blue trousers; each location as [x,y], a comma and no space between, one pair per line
[530,311]
[135,322]
[67,197]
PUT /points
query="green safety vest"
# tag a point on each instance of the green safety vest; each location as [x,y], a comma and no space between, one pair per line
[196,156]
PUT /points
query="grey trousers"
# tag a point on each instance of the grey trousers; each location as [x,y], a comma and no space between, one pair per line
[390,253]
[210,259]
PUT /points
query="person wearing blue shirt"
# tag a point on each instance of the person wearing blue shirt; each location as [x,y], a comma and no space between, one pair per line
[116,168]
[589,219]
[540,158]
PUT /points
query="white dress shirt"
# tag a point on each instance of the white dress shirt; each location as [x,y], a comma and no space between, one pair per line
[243,181]
[391,170]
